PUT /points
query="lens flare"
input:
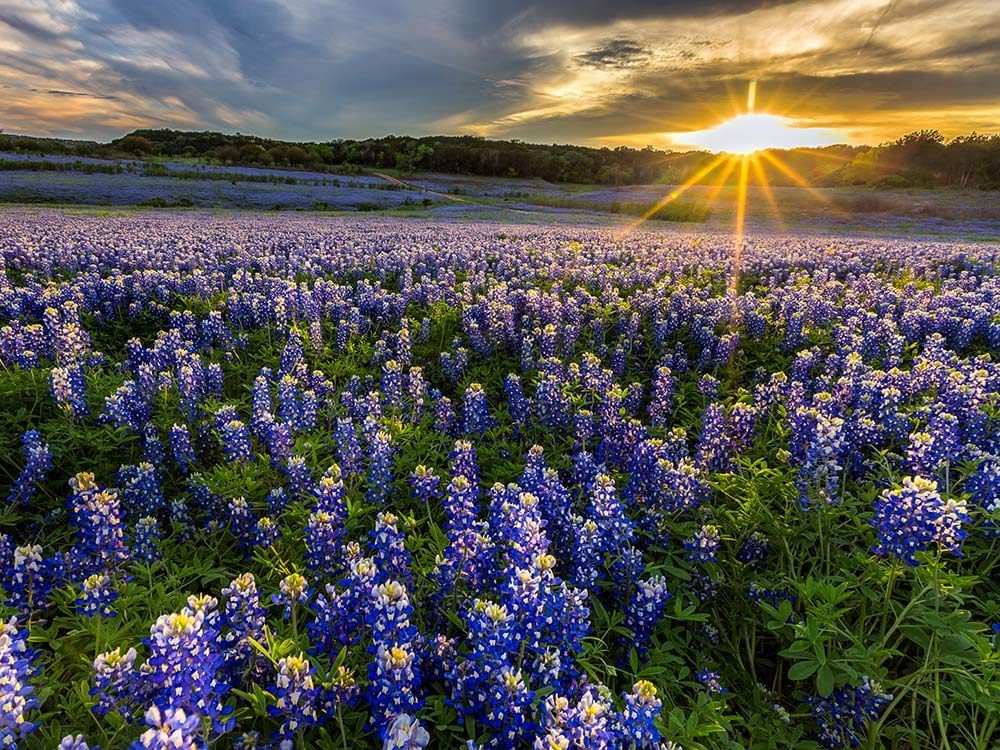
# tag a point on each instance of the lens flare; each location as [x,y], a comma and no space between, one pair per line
[747,133]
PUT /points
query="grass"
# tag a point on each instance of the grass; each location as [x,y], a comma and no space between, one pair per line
[674,211]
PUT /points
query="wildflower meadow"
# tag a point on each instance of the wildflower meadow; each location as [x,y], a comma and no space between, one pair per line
[297,482]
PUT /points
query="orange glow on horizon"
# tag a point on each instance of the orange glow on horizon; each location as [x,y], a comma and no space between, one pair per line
[753,131]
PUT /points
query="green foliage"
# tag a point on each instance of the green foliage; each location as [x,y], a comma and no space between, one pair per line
[919,159]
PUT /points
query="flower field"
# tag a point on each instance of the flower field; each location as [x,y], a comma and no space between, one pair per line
[279,482]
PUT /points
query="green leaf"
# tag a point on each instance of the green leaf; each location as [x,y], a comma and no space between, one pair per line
[824,680]
[802,670]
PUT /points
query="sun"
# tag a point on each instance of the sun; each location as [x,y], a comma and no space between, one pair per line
[747,133]
[744,145]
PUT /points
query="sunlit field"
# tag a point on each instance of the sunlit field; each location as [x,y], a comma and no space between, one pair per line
[306,482]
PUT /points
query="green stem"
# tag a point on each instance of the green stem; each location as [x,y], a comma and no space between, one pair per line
[340,723]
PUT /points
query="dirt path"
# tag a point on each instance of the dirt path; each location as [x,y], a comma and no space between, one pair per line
[449,196]
[407,185]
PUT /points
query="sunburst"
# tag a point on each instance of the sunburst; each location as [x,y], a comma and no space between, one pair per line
[751,138]
[747,143]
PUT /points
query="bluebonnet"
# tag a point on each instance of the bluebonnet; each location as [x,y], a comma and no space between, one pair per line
[115,681]
[711,681]
[984,484]
[128,406]
[392,383]
[394,678]
[645,610]
[638,718]
[709,386]
[425,484]
[329,495]
[324,535]
[379,469]
[454,362]
[152,447]
[754,549]
[444,416]
[476,417]
[703,547]
[71,742]
[584,427]
[340,612]
[464,462]
[17,694]
[466,557]
[297,699]
[293,590]
[758,593]
[242,523]
[171,729]
[181,520]
[406,733]
[517,403]
[818,444]
[940,443]
[714,443]
[266,533]
[417,390]
[243,614]
[292,356]
[912,517]
[348,446]
[183,668]
[703,586]
[551,406]
[242,620]
[145,540]
[97,596]
[142,493]
[277,501]
[388,548]
[394,673]
[299,477]
[31,578]
[70,390]
[235,439]
[661,396]
[97,515]
[842,717]
[37,464]
[590,721]
[605,533]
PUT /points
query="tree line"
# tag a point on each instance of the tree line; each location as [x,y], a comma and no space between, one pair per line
[923,158]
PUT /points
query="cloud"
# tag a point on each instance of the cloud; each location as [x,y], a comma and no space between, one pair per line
[562,70]
[616,53]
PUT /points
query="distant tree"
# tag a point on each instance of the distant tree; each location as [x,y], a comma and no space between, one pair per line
[228,154]
[251,153]
[136,144]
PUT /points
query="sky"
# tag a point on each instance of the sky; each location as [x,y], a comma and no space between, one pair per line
[623,72]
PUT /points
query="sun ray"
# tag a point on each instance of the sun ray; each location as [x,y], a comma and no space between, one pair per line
[796,178]
[765,188]
[676,192]
[739,231]
[735,269]
[721,182]
[829,157]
